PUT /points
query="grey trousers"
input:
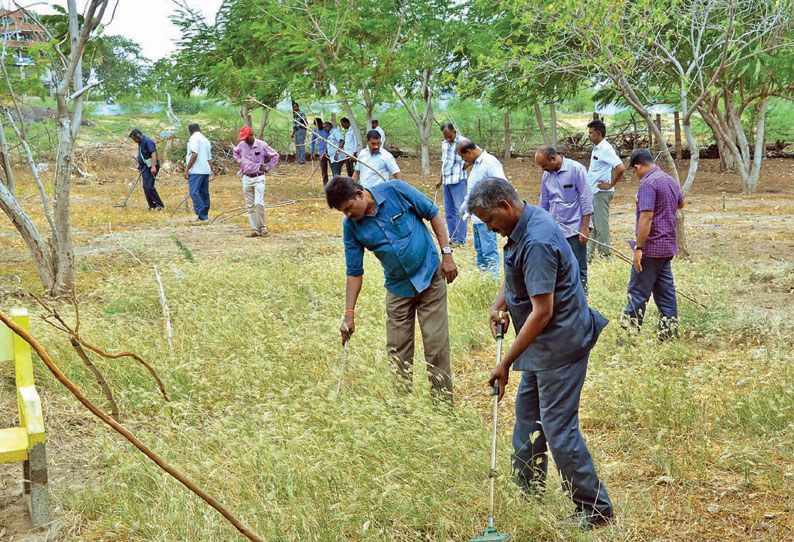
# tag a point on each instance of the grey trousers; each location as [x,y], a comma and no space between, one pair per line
[600,230]
[430,307]
[547,418]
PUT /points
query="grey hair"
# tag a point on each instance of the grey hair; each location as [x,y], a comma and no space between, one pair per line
[489,192]
[547,151]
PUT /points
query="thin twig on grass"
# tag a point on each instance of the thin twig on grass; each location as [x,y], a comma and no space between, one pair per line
[96,411]
[114,408]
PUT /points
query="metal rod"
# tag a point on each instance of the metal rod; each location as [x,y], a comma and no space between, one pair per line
[342,372]
[493,437]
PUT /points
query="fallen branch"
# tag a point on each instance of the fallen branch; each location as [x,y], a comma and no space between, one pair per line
[45,357]
[114,408]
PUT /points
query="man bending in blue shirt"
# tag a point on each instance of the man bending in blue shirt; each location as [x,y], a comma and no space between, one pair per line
[387,219]
[555,331]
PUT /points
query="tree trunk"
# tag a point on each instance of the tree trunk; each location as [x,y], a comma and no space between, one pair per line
[541,126]
[263,124]
[751,185]
[507,136]
[8,179]
[553,122]
[423,123]
[246,116]
[679,149]
[350,116]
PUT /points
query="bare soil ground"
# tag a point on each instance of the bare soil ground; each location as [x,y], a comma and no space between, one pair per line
[754,232]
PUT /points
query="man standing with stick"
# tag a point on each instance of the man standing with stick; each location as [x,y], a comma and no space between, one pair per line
[555,331]
[251,154]
[149,166]
[351,146]
[299,126]
[387,219]
[198,170]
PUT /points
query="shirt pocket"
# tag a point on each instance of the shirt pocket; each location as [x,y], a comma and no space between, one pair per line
[569,193]
[401,222]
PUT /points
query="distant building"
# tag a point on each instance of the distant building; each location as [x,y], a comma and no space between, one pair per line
[18,29]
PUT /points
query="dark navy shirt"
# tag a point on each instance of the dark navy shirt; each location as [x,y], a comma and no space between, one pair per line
[397,236]
[145,149]
[538,260]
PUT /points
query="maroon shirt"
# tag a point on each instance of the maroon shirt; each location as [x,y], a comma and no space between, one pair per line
[660,193]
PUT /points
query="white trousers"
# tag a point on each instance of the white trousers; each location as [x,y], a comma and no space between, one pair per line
[254,194]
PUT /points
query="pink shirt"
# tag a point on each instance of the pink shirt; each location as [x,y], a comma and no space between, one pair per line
[251,157]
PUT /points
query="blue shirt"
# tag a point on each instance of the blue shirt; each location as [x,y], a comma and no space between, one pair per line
[321,144]
[145,149]
[397,236]
[538,260]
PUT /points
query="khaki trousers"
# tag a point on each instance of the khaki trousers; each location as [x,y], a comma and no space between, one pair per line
[430,307]
[600,224]
[254,195]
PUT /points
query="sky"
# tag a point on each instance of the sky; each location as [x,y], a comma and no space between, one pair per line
[145,21]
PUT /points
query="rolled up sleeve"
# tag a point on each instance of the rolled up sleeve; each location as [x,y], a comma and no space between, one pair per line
[354,253]
[540,268]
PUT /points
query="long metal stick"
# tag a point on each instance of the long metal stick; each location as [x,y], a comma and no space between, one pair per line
[495,413]
[342,372]
[130,192]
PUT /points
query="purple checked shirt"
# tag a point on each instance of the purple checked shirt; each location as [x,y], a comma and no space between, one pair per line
[250,157]
[565,194]
[658,192]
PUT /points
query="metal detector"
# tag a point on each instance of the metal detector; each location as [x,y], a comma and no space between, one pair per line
[130,192]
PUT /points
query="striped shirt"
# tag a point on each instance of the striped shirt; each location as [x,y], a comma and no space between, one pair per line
[658,192]
[451,162]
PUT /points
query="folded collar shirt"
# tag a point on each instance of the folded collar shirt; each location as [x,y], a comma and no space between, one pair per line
[251,157]
[658,192]
[397,236]
[335,138]
[382,161]
[486,165]
[451,162]
[351,145]
[298,120]
[537,261]
[565,194]
[603,160]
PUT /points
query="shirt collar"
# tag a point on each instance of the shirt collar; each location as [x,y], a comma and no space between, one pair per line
[601,144]
[480,158]
[377,196]
[521,227]
[564,165]
[648,173]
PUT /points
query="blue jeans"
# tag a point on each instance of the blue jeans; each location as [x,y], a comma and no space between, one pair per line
[547,419]
[336,168]
[454,194]
[300,145]
[580,253]
[485,246]
[199,186]
[656,278]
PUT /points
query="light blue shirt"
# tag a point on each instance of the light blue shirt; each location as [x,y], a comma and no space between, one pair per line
[351,145]
[397,236]
[203,149]
[383,162]
[335,139]
[602,160]
[566,196]
[486,165]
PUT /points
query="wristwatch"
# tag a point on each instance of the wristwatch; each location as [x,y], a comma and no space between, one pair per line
[446,250]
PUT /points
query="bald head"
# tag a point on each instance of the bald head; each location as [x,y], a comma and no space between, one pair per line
[547,158]
[468,150]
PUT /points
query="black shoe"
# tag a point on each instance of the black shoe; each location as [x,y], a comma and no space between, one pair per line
[585,521]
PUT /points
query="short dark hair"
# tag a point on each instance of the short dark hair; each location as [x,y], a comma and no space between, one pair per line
[136,133]
[488,192]
[373,134]
[193,128]
[344,119]
[328,123]
[318,122]
[339,190]
[598,126]
[642,157]
[466,145]
[547,151]
[448,126]
[295,103]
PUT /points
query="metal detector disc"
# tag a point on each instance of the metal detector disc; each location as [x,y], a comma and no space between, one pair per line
[492,536]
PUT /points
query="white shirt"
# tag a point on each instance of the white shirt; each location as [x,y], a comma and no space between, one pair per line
[383,162]
[382,136]
[351,145]
[486,165]
[602,160]
[334,140]
[203,149]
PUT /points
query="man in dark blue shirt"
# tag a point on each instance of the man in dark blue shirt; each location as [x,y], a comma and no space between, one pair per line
[555,331]
[149,166]
[388,220]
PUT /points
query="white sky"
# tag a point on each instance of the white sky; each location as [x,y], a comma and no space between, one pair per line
[144,21]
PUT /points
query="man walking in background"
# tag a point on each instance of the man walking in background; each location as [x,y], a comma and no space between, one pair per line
[149,166]
[388,219]
[453,179]
[299,125]
[377,128]
[483,165]
[319,147]
[351,146]
[336,141]
[377,158]
[605,171]
[198,170]
[565,194]
[658,199]
[251,154]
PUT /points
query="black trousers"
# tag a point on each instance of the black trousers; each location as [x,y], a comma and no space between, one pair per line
[152,197]
[324,161]
[350,165]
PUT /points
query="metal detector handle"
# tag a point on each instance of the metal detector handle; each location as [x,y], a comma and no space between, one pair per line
[499,336]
